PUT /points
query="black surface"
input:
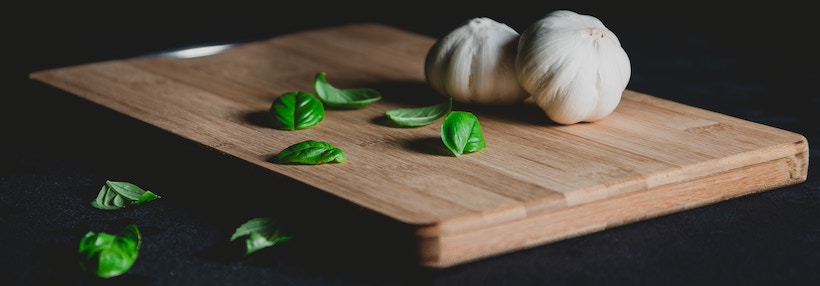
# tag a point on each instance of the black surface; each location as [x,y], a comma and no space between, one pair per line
[756,63]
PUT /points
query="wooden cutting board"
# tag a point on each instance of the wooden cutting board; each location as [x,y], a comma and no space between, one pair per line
[536,182]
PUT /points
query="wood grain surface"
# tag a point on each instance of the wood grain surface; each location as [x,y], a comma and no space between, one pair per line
[535,182]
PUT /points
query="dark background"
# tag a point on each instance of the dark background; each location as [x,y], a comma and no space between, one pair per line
[757,63]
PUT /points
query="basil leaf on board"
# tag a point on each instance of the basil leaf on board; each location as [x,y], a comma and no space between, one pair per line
[310,152]
[412,117]
[343,98]
[106,255]
[116,195]
[296,110]
[260,233]
[461,133]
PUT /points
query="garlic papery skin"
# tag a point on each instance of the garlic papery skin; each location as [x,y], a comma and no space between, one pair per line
[573,66]
[475,63]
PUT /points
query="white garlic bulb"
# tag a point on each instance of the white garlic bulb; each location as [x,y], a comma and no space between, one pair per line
[475,63]
[573,66]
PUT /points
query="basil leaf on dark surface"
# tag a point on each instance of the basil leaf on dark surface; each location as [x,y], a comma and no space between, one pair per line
[296,110]
[351,98]
[310,152]
[260,233]
[420,116]
[461,133]
[116,195]
[106,255]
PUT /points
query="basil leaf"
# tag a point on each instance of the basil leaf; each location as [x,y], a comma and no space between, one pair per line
[310,152]
[261,233]
[420,116]
[461,133]
[343,98]
[107,255]
[116,195]
[296,110]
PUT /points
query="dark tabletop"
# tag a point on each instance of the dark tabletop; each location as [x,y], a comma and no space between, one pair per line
[755,63]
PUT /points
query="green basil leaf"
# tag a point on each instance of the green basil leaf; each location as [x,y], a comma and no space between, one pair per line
[296,110]
[260,233]
[343,98]
[420,116]
[116,195]
[310,152]
[461,133]
[106,255]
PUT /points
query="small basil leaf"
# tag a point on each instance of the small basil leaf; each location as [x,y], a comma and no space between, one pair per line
[107,255]
[461,133]
[310,152]
[343,98]
[116,195]
[296,110]
[261,233]
[420,116]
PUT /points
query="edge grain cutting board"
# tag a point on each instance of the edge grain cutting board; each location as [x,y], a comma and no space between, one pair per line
[536,182]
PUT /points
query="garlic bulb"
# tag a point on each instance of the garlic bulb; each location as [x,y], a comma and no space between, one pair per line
[573,66]
[475,63]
